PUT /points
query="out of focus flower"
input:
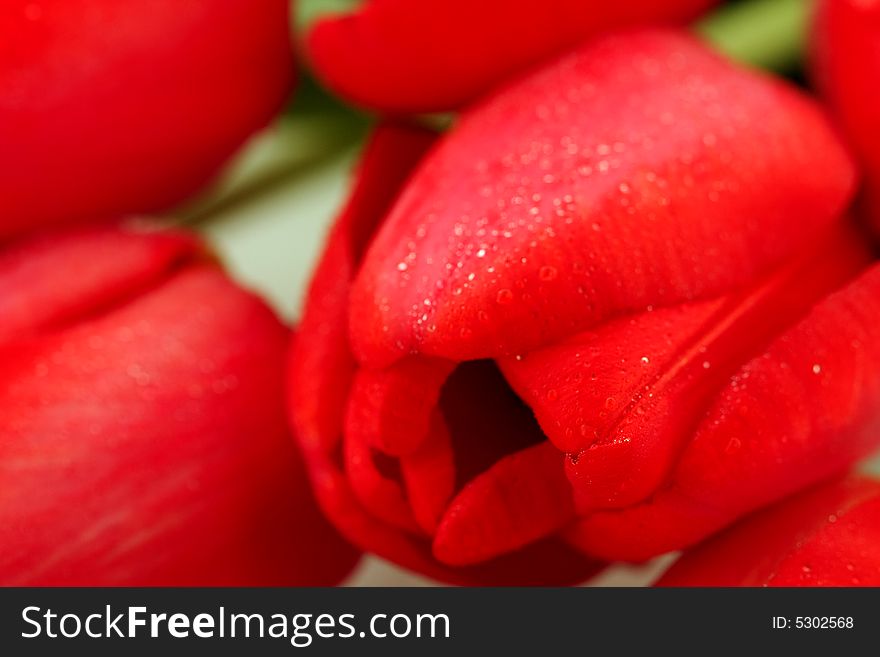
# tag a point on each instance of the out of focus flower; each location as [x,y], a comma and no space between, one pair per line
[640,246]
[847,68]
[143,439]
[404,56]
[111,108]
[828,536]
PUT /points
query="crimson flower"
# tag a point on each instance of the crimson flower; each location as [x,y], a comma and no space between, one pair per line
[143,439]
[402,56]
[112,108]
[827,536]
[847,67]
[614,309]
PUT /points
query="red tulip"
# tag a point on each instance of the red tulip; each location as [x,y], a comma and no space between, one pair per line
[640,246]
[847,67]
[828,536]
[143,439]
[350,483]
[111,108]
[402,56]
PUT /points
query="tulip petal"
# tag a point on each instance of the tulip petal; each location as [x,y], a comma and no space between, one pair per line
[624,400]
[548,562]
[321,365]
[401,56]
[48,281]
[846,64]
[521,498]
[112,109]
[827,536]
[641,170]
[376,480]
[800,412]
[429,475]
[392,408]
[160,425]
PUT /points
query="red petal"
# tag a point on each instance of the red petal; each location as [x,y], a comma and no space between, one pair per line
[640,170]
[625,399]
[545,563]
[56,279]
[321,364]
[829,536]
[320,375]
[378,488]
[846,57]
[429,474]
[523,497]
[395,55]
[123,108]
[392,408]
[802,411]
[160,425]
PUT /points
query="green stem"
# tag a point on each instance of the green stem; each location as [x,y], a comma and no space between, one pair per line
[306,11]
[769,34]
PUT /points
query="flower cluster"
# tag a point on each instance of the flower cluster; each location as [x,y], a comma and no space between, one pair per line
[626,304]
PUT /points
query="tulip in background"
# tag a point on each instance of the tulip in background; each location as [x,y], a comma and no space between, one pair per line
[640,244]
[112,108]
[405,56]
[846,60]
[143,439]
[829,536]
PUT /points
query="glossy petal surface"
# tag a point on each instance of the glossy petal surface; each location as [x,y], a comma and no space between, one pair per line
[641,170]
[116,108]
[401,56]
[802,410]
[828,536]
[846,57]
[144,438]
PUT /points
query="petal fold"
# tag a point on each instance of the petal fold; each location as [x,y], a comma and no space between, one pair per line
[640,170]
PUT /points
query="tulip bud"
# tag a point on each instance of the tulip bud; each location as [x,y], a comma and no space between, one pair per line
[113,108]
[143,439]
[400,56]
[615,308]
[846,58]
[827,536]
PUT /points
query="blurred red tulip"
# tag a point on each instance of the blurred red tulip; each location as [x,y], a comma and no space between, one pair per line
[402,56]
[828,536]
[143,439]
[648,243]
[846,57]
[112,108]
